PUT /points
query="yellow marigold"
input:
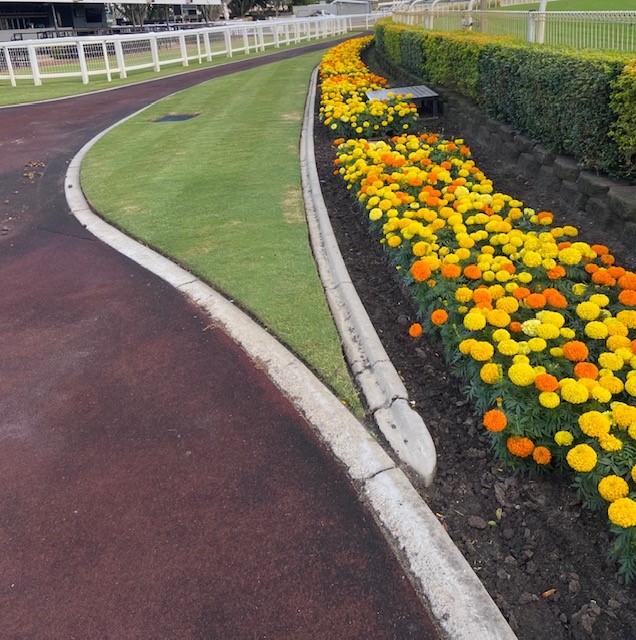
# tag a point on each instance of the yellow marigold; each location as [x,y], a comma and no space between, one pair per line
[601,395]
[549,399]
[476,321]
[594,424]
[551,317]
[611,361]
[464,294]
[548,331]
[537,344]
[570,256]
[498,318]
[490,373]
[633,473]
[500,334]
[466,345]
[617,342]
[628,318]
[563,438]
[579,288]
[623,414]
[588,310]
[596,330]
[600,299]
[482,351]
[609,442]
[612,488]
[622,512]
[611,383]
[532,259]
[582,458]
[575,393]
[521,374]
[630,386]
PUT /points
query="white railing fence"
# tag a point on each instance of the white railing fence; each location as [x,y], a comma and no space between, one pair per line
[602,30]
[117,55]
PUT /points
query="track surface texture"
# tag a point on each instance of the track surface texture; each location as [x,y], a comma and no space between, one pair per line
[153,482]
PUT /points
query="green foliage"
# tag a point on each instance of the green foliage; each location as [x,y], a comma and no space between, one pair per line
[623,104]
[576,103]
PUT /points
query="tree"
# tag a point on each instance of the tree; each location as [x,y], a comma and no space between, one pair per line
[241,7]
[135,13]
[210,12]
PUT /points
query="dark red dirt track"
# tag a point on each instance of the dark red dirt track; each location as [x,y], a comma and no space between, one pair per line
[153,482]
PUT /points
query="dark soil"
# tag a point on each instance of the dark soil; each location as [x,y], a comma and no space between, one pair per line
[545,559]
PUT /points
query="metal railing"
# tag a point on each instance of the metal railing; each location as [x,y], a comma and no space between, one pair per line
[602,30]
[117,55]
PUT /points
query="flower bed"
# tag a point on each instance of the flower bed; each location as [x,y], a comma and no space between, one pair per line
[541,326]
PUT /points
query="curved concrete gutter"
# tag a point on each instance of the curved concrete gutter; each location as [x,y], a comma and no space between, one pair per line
[374,372]
[448,586]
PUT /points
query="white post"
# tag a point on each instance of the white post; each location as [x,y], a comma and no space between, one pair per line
[276,38]
[184,50]
[199,53]
[7,59]
[106,61]
[207,46]
[121,62]
[246,42]
[286,31]
[228,42]
[81,56]
[154,52]
[541,25]
[35,69]
[296,32]
[531,25]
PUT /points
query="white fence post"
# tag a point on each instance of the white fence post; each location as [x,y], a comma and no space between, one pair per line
[121,62]
[81,56]
[228,42]
[276,39]
[7,59]
[154,51]
[531,26]
[35,69]
[246,41]
[206,45]
[106,61]
[184,50]
[540,27]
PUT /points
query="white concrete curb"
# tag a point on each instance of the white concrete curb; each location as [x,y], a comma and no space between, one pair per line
[457,600]
[385,394]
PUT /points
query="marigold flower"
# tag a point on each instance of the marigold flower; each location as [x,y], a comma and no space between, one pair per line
[549,399]
[575,393]
[612,488]
[613,384]
[420,271]
[466,345]
[521,374]
[611,361]
[536,301]
[451,271]
[633,473]
[623,414]
[630,386]
[627,297]
[439,316]
[464,294]
[541,455]
[627,281]
[622,512]
[521,292]
[472,271]
[627,317]
[482,351]
[520,446]
[546,382]
[474,321]
[582,458]
[490,373]
[498,318]
[575,351]
[563,438]
[415,330]
[594,424]
[495,420]
[515,327]
[586,370]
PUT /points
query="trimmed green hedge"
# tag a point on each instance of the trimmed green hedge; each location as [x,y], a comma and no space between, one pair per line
[580,104]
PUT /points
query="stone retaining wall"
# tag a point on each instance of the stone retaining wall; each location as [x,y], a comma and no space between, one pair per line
[610,202]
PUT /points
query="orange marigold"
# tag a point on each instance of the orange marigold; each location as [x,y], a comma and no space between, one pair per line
[602,277]
[616,272]
[495,420]
[439,316]
[575,351]
[556,273]
[536,301]
[515,327]
[521,292]
[520,446]
[627,281]
[541,455]
[415,330]
[420,271]
[546,382]
[472,271]
[627,297]
[586,370]
[599,249]
[482,298]
[451,271]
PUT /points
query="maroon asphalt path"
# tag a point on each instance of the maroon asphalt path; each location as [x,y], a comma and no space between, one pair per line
[153,482]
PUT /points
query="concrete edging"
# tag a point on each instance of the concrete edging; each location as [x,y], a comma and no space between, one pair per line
[454,595]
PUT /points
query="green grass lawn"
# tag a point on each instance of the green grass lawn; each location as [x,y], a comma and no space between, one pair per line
[221,194]
[578,5]
[26,91]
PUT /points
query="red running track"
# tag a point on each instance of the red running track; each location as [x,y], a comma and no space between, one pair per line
[153,482]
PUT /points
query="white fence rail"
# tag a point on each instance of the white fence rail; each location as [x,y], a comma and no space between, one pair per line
[602,30]
[109,56]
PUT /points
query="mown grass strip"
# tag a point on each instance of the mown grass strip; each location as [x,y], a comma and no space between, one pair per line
[221,194]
